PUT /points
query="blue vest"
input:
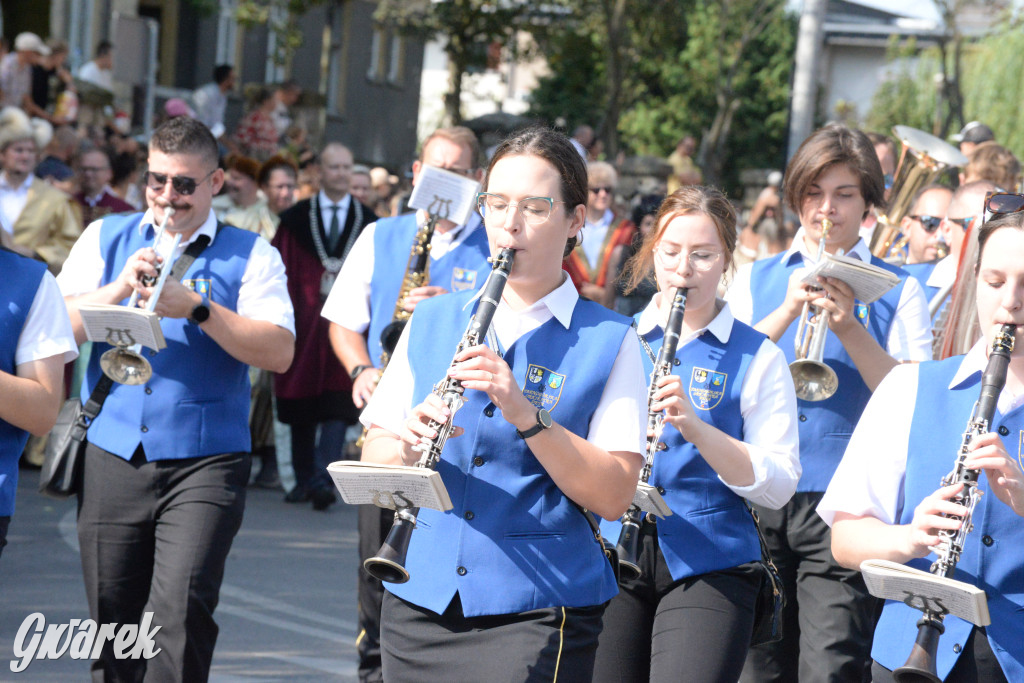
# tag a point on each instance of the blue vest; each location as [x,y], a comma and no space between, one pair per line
[991,557]
[710,528]
[825,426]
[921,272]
[197,401]
[20,278]
[463,268]
[512,542]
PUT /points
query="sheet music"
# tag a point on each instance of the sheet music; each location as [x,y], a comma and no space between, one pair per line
[868,282]
[387,486]
[444,194]
[120,325]
[920,590]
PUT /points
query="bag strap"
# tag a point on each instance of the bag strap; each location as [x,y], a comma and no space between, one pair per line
[766,555]
[595,528]
[99,393]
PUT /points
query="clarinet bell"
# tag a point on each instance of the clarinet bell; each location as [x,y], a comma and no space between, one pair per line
[389,562]
[628,549]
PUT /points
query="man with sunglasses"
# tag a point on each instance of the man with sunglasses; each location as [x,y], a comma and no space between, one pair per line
[921,228]
[162,490]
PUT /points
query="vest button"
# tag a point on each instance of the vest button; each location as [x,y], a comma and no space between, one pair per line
[957,648]
[145,429]
[469,515]
[987,540]
[152,353]
[661,490]
[148,391]
[1003,431]
[489,412]
[477,461]
[462,571]
[803,418]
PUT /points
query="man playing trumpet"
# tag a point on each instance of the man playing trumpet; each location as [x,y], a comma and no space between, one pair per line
[167,461]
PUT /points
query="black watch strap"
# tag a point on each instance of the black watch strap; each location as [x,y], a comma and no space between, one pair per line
[358,370]
[543,422]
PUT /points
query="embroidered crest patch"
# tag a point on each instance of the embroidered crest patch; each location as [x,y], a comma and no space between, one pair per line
[204,287]
[706,388]
[463,279]
[543,387]
[863,313]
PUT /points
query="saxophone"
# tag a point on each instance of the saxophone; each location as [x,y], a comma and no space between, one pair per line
[389,562]
[628,547]
[920,666]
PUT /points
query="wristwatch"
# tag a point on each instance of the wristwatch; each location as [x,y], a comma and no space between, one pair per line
[200,312]
[358,370]
[543,422]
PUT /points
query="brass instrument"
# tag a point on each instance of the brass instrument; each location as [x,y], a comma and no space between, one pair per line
[126,365]
[923,159]
[920,666]
[389,562]
[628,547]
[813,378]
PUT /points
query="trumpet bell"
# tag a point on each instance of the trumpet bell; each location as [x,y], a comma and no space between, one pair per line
[813,380]
[125,366]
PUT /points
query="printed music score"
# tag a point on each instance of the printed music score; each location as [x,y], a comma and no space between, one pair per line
[122,326]
[923,590]
[389,486]
[868,282]
[648,499]
[444,194]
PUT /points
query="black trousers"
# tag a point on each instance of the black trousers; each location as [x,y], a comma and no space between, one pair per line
[556,643]
[154,538]
[977,664]
[374,525]
[315,445]
[829,618]
[695,629]
[4,523]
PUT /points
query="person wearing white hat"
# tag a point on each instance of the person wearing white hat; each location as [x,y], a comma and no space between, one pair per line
[16,68]
[42,221]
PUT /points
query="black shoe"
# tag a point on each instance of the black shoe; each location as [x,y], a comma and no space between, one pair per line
[299,494]
[267,478]
[323,498]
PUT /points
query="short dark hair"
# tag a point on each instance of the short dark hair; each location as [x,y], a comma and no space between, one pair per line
[826,147]
[554,148]
[96,150]
[221,73]
[278,161]
[103,48]
[185,135]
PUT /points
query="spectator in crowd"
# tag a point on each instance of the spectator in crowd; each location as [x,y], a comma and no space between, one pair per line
[361,186]
[50,80]
[94,195]
[126,178]
[582,139]
[993,162]
[243,204]
[383,184]
[767,206]
[211,100]
[256,136]
[285,97]
[633,301]
[314,396]
[684,169]
[307,182]
[35,342]
[100,71]
[972,135]
[278,179]
[885,150]
[43,221]
[55,167]
[296,144]
[16,69]
[159,505]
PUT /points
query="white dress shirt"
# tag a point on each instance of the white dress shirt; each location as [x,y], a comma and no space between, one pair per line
[619,423]
[768,407]
[869,479]
[47,330]
[349,301]
[12,200]
[593,236]
[910,337]
[325,205]
[263,294]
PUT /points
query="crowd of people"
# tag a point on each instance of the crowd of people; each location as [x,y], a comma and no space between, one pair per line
[287,271]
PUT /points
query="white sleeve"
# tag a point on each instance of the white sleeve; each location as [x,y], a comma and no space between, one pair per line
[392,401]
[263,294]
[620,420]
[47,330]
[348,304]
[869,479]
[741,303]
[82,272]
[769,409]
[911,335]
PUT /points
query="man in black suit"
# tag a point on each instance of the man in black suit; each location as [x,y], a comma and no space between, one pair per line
[315,394]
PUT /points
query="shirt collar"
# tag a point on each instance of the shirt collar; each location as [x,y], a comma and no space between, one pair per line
[605,221]
[561,301]
[326,203]
[859,250]
[208,228]
[4,182]
[720,326]
[974,362]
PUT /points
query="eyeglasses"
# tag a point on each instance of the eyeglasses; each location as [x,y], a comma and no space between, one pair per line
[599,190]
[183,185]
[964,223]
[929,223]
[998,203]
[700,260]
[467,172]
[494,208]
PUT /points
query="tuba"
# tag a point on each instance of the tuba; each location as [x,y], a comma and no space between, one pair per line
[923,159]
[813,378]
[920,666]
[389,562]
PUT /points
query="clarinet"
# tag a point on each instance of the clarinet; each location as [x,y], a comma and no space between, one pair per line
[389,562]
[920,666]
[628,547]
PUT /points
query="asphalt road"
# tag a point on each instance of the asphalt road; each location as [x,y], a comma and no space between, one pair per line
[287,608]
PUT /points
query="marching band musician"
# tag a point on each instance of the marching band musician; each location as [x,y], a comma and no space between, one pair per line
[510,584]
[167,463]
[834,175]
[886,502]
[362,303]
[732,409]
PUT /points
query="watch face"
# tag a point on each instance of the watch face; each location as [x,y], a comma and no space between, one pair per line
[200,313]
[544,418]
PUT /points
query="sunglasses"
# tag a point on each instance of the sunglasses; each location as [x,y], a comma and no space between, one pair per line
[183,185]
[998,203]
[964,223]
[599,190]
[929,223]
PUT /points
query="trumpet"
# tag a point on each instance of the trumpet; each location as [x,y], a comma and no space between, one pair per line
[126,365]
[389,562]
[814,380]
